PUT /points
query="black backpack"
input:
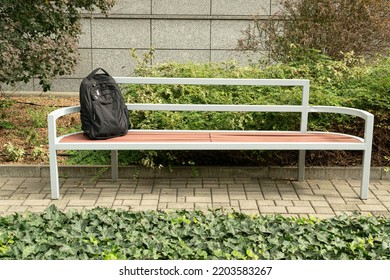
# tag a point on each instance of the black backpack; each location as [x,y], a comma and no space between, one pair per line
[103,110]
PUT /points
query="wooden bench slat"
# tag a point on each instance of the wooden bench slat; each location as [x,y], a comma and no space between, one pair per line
[134,136]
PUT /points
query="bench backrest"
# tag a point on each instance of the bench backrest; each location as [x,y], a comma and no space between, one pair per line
[303,108]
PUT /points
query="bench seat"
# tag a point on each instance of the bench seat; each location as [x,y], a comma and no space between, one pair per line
[241,140]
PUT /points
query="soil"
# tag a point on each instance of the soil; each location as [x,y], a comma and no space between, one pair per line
[23,124]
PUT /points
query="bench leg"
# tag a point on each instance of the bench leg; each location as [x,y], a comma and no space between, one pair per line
[114,165]
[54,180]
[301,165]
[365,181]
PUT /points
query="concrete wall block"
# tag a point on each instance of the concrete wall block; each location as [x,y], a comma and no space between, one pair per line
[226,33]
[276,6]
[182,56]
[84,65]
[181,7]
[85,38]
[21,86]
[117,62]
[128,7]
[241,7]
[241,58]
[64,85]
[181,34]
[120,33]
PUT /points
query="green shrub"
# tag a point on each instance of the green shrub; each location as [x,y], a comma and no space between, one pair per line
[348,82]
[103,233]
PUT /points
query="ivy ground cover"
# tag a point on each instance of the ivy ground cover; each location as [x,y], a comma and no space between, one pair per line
[103,233]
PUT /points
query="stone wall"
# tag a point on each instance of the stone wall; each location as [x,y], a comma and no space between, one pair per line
[180,30]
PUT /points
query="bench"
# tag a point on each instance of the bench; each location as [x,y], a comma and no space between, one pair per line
[301,140]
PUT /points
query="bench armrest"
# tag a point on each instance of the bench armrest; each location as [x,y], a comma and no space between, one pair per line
[53,116]
[366,116]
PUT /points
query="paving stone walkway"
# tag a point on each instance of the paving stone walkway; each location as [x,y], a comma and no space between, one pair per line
[320,198]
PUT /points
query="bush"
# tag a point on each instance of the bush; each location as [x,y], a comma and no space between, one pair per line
[333,27]
[103,233]
[348,82]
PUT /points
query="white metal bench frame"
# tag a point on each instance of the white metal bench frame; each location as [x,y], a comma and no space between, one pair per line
[364,144]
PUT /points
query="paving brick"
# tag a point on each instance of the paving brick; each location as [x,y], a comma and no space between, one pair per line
[289,196]
[143,207]
[150,202]
[89,197]
[250,211]
[323,216]
[131,202]
[300,210]
[272,196]
[144,189]
[37,209]
[304,191]
[283,203]
[372,201]
[105,199]
[237,195]
[300,203]
[11,202]
[254,195]
[71,196]
[122,208]
[60,204]
[248,204]
[323,210]
[185,192]
[15,181]
[162,206]
[220,198]
[117,202]
[4,208]
[168,198]
[272,209]
[226,205]
[35,202]
[316,203]
[131,196]
[203,206]
[198,199]
[265,203]
[6,194]
[17,209]
[344,207]
[335,200]
[79,202]
[368,207]
[311,197]
[9,187]
[186,205]
[202,192]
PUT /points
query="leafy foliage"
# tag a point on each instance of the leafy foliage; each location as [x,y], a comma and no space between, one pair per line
[333,27]
[13,153]
[103,233]
[348,82]
[39,38]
